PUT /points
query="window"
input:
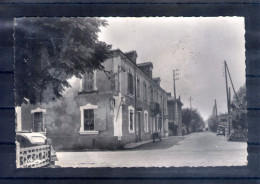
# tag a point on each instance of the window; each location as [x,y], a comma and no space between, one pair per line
[145,93]
[157,97]
[88,81]
[151,96]
[87,125]
[38,120]
[161,101]
[146,128]
[131,119]
[88,119]
[130,89]
[138,88]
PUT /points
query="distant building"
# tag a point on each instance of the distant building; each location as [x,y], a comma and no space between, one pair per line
[175,115]
[104,109]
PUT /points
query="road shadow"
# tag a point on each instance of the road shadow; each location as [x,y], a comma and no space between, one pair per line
[164,144]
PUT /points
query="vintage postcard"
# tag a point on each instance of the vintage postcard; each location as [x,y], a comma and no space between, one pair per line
[130,92]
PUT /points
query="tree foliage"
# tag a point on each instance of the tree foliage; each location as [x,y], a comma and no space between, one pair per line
[239,109]
[237,112]
[212,123]
[49,51]
[192,119]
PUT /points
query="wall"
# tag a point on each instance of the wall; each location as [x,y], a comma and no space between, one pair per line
[175,122]
[63,117]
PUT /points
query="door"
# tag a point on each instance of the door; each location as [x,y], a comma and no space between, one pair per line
[138,126]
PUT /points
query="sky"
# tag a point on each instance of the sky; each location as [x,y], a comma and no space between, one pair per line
[196,46]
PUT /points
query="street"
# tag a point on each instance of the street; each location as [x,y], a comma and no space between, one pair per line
[197,149]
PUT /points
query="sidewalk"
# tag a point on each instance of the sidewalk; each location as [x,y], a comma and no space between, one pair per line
[136,144]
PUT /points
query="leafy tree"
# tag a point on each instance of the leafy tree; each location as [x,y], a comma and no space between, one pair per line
[212,123]
[192,119]
[238,108]
[49,51]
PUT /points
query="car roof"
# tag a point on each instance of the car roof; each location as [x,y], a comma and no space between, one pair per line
[31,137]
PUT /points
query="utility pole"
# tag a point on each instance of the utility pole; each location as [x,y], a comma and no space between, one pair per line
[225,65]
[190,99]
[174,81]
[216,111]
[228,108]
[176,119]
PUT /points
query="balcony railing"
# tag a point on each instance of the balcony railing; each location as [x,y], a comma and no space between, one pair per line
[33,157]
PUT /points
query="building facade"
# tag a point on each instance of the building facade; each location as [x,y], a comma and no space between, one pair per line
[175,116]
[105,109]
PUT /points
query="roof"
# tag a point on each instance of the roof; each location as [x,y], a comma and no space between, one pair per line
[145,64]
[171,99]
[138,65]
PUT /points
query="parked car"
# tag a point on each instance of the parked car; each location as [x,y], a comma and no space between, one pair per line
[30,139]
[221,130]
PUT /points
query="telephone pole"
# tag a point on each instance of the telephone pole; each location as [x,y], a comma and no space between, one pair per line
[176,113]
[174,81]
[190,99]
[227,91]
[216,111]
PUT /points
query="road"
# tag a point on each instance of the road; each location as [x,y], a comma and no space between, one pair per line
[197,150]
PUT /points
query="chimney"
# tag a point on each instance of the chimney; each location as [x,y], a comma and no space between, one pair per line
[147,68]
[132,55]
[157,80]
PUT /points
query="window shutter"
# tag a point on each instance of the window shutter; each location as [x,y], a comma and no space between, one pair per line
[100,119]
[128,83]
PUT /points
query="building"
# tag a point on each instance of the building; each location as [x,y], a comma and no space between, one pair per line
[105,109]
[175,115]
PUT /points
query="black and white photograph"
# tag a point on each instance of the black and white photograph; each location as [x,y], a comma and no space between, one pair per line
[124,92]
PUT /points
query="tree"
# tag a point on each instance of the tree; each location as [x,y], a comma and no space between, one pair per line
[192,119]
[213,123]
[49,51]
[239,108]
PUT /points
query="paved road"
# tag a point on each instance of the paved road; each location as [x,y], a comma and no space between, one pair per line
[197,149]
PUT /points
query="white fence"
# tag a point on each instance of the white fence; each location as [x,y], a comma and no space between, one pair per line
[33,157]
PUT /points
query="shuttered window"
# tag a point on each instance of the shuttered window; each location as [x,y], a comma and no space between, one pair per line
[88,119]
[138,88]
[146,127]
[145,93]
[38,122]
[88,81]
[130,89]
[131,119]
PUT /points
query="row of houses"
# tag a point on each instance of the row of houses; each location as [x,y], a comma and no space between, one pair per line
[107,109]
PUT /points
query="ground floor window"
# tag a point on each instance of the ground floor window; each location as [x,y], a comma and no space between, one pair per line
[88,119]
[146,126]
[38,120]
[131,119]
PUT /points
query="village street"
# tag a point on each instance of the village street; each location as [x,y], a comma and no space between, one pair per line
[197,149]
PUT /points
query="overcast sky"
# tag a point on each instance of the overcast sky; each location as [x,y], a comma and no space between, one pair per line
[195,46]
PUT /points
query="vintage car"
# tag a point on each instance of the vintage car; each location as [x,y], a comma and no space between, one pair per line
[30,139]
[221,130]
